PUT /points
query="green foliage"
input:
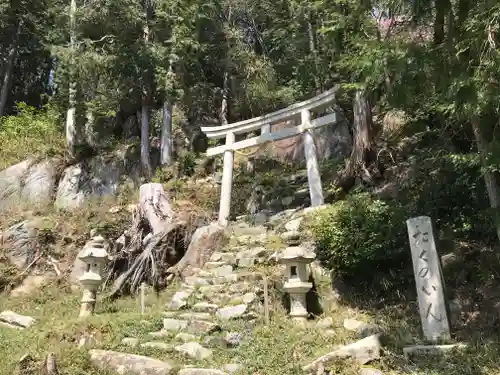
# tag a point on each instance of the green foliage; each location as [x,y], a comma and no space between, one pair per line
[30,133]
[450,189]
[187,164]
[360,238]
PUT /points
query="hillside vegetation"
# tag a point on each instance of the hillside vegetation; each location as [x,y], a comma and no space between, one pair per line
[418,87]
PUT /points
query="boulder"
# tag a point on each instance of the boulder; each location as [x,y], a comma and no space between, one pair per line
[20,241]
[10,317]
[362,352]
[40,181]
[11,182]
[28,181]
[97,176]
[124,363]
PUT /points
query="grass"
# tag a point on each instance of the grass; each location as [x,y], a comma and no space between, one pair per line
[277,348]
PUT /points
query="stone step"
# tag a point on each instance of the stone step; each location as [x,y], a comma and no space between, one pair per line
[205,307]
[189,315]
[194,326]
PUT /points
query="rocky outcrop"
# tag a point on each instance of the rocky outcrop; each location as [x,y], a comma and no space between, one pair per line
[331,141]
[28,181]
[69,186]
[95,177]
[20,241]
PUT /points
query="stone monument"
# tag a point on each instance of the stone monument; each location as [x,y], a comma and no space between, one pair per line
[428,279]
[296,259]
[95,256]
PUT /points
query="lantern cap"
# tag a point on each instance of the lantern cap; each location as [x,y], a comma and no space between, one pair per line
[297,254]
[88,253]
[291,238]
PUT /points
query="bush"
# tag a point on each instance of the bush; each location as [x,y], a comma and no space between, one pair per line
[450,189]
[30,133]
[361,238]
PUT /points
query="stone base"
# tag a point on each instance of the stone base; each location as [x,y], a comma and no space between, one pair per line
[431,349]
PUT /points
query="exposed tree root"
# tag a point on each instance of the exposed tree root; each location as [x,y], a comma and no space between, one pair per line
[156,240]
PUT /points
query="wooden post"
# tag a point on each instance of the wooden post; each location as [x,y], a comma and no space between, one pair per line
[266,300]
[227,181]
[143,298]
[313,176]
[428,279]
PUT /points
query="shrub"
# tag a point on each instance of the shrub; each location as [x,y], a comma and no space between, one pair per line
[361,238]
[450,189]
[30,133]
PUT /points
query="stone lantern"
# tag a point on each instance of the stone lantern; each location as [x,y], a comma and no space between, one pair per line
[95,256]
[296,259]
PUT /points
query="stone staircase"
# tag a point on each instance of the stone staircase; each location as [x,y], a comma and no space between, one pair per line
[205,310]
[217,308]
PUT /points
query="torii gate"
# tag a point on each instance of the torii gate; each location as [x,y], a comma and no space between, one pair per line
[300,110]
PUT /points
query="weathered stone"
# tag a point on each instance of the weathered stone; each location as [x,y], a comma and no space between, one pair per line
[213,265]
[30,285]
[173,325]
[194,350]
[19,241]
[291,238]
[370,371]
[246,262]
[130,364]
[325,323]
[183,336]
[215,257]
[205,240]
[195,281]
[239,287]
[130,341]
[363,351]
[234,338]
[29,182]
[233,367]
[11,317]
[424,350]
[232,312]
[428,278]
[363,329]
[249,298]
[201,371]
[157,345]
[179,300]
[229,258]
[210,289]
[205,307]
[294,224]
[94,177]
[215,341]
[223,271]
[230,278]
[201,326]
[195,316]
[204,274]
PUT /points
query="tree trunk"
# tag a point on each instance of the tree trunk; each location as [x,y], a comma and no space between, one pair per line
[145,162]
[225,95]
[9,64]
[489,177]
[439,21]
[363,147]
[156,240]
[166,135]
[71,132]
